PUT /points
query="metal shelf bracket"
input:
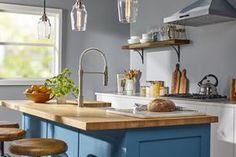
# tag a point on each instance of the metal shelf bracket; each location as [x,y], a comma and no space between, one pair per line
[141,54]
[177,50]
[175,47]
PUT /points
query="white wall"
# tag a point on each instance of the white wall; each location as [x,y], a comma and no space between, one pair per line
[213,48]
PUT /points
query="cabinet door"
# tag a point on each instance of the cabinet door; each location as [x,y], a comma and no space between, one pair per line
[222,132]
[35,127]
[66,134]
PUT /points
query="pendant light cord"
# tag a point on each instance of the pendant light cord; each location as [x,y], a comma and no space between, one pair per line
[44,7]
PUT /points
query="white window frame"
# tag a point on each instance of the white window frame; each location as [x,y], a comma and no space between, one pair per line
[58,41]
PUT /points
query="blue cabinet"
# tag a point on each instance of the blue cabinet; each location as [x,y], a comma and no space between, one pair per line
[179,141]
[41,128]
[68,134]
[102,143]
[35,127]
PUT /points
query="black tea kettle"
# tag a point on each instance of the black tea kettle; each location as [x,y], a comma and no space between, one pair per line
[206,87]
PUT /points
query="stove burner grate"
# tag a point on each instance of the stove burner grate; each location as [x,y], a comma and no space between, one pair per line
[196,96]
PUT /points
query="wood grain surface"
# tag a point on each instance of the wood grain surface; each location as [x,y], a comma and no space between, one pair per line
[232,96]
[38,147]
[6,124]
[11,134]
[157,44]
[97,119]
[183,82]
[175,83]
[90,103]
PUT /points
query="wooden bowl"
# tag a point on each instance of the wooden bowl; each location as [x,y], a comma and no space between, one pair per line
[38,98]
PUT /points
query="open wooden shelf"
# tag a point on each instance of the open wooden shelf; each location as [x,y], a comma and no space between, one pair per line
[174,43]
[166,43]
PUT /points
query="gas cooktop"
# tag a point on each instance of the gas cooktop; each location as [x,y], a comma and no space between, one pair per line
[197,96]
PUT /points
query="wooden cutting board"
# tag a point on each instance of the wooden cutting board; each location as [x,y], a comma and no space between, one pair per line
[183,82]
[92,104]
[175,83]
[232,90]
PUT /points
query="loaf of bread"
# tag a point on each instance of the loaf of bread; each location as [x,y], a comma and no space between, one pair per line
[160,105]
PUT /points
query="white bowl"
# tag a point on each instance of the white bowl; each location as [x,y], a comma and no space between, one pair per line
[133,41]
[145,40]
[135,37]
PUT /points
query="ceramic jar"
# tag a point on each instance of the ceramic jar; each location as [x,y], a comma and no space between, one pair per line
[130,87]
[61,99]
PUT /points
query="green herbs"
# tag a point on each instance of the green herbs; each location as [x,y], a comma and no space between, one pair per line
[62,84]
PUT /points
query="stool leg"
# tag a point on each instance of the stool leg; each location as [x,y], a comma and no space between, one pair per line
[2,153]
[2,148]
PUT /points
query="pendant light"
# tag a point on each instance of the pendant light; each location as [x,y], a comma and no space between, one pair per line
[44,25]
[128,11]
[79,16]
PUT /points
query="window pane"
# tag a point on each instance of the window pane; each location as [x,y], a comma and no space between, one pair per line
[17,27]
[26,62]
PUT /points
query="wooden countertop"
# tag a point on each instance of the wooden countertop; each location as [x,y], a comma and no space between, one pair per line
[97,119]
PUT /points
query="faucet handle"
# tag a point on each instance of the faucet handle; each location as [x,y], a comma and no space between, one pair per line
[105,79]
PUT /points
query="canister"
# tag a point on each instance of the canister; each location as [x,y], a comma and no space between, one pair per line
[164,91]
[143,90]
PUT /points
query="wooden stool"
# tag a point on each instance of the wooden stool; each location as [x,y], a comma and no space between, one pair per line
[9,134]
[38,147]
[5,124]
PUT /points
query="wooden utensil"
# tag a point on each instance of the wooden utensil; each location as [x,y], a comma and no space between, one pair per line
[232,90]
[176,76]
[183,82]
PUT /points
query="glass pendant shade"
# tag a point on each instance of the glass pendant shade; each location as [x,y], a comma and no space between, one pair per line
[44,28]
[44,25]
[128,11]
[79,17]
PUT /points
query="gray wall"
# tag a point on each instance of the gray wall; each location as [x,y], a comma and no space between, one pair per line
[213,49]
[104,31]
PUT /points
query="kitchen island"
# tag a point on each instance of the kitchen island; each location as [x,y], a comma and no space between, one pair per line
[91,132]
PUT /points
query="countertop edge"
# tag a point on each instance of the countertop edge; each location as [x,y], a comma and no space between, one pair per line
[130,123]
[177,100]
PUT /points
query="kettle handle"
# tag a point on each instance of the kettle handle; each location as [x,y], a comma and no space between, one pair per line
[209,75]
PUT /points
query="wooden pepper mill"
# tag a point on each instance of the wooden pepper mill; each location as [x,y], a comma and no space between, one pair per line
[232,90]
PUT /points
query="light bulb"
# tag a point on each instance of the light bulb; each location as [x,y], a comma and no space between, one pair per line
[128,11]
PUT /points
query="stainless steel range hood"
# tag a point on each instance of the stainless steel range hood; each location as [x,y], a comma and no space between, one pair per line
[205,12]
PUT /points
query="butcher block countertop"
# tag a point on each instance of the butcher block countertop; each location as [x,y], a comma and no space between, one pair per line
[97,118]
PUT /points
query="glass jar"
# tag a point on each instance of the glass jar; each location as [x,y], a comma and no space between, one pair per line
[170,31]
[128,11]
[181,32]
[148,91]
[143,90]
[164,91]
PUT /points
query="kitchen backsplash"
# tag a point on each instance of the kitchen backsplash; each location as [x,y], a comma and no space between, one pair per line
[213,48]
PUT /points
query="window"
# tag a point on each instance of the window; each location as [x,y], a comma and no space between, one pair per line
[24,59]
